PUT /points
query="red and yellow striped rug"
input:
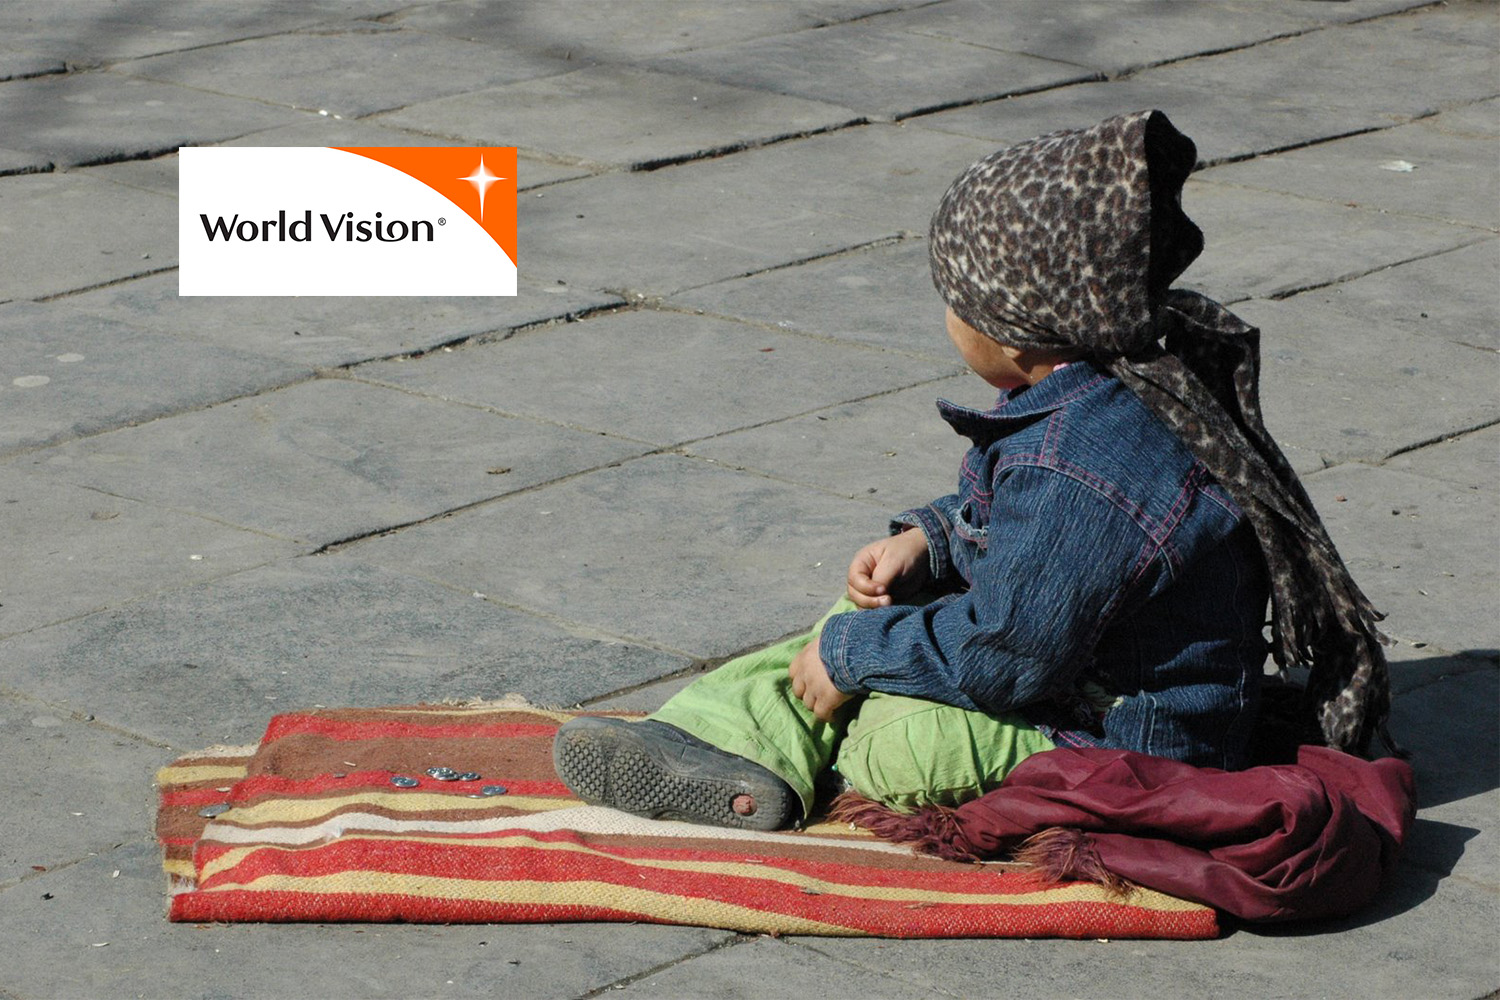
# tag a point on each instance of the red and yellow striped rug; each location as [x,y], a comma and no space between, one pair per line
[309,826]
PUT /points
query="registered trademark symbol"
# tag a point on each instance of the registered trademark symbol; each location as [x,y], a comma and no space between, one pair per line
[442,221]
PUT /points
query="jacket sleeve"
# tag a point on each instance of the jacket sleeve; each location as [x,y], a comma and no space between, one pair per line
[1059,559]
[936,522]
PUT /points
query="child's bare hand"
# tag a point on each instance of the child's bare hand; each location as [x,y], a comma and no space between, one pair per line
[888,565]
[811,683]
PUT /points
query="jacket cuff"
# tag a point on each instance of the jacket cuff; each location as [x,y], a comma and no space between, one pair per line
[833,648]
[935,526]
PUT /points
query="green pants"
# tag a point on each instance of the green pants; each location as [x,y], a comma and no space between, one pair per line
[904,752]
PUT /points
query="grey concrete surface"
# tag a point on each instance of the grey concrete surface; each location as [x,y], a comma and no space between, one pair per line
[715,382]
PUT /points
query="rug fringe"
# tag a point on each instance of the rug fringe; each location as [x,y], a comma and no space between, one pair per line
[933,830]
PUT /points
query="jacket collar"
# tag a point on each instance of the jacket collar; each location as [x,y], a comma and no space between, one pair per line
[1019,407]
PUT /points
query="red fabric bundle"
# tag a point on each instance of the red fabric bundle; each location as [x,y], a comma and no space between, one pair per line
[1283,842]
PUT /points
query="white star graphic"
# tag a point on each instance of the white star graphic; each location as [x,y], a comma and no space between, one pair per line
[481,178]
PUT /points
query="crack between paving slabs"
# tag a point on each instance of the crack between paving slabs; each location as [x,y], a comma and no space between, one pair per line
[1438,439]
[147,841]
[803,943]
[85,718]
[105,284]
[717,152]
[879,241]
[1286,292]
[732,941]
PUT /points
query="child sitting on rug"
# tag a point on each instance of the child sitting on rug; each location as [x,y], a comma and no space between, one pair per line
[1105,562]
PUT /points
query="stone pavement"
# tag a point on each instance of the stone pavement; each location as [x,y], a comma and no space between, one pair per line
[715,383]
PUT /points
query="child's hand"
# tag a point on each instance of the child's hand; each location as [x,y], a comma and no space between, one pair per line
[811,683]
[887,564]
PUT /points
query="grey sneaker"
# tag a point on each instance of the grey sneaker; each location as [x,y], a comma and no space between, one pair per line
[652,769]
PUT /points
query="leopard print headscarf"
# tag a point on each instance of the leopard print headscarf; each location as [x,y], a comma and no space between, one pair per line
[1071,241]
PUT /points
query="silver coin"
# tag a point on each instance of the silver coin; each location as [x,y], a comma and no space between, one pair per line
[470,776]
[440,772]
[401,781]
[217,809]
[489,790]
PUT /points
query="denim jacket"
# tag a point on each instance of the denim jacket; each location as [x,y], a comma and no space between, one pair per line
[1085,543]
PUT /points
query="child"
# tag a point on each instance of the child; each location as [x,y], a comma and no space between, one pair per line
[1105,563]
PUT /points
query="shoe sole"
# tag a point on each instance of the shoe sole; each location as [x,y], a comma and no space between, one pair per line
[607,762]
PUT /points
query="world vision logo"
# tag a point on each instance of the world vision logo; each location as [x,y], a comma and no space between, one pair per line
[368,220]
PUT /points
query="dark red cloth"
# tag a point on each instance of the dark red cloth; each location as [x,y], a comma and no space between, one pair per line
[1282,842]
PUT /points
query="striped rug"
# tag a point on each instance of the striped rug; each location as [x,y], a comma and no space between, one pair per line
[309,826]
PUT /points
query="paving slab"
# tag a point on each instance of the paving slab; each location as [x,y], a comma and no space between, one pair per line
[736,215]
[331,331]
[59,951]
[1420,547]
[88,31]
[1225,125]
[878,71]
[1394,949]
[86,786]
[893,450]
[1352,388]
[79,232]
[671,550]
[1447,296]
[212,663]
[1105,36]
[1426,169]
[67,373]
[99,117]
[714,372]
[621,116]
[739,972]
[351,69]
[1405,65]
[1249,254]
[880,295]
[72,551]
[624,29]
[327,460]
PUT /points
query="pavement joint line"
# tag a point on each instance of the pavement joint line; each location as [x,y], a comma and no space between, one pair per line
[530,418]
[33,168]
[1223,161]
[1286,36]
[73,862]
[933,990]
[84,718]
[8,456]
[495,336]
[106,284]
[939,355]
[879,241]
[1439,439]
[732,941]
[1093,76]
[1288,291]
[718,152]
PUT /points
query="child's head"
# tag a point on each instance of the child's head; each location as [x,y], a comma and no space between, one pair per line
[1066,244]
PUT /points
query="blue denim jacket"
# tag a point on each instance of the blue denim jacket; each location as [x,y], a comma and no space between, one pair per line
[1085,543]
